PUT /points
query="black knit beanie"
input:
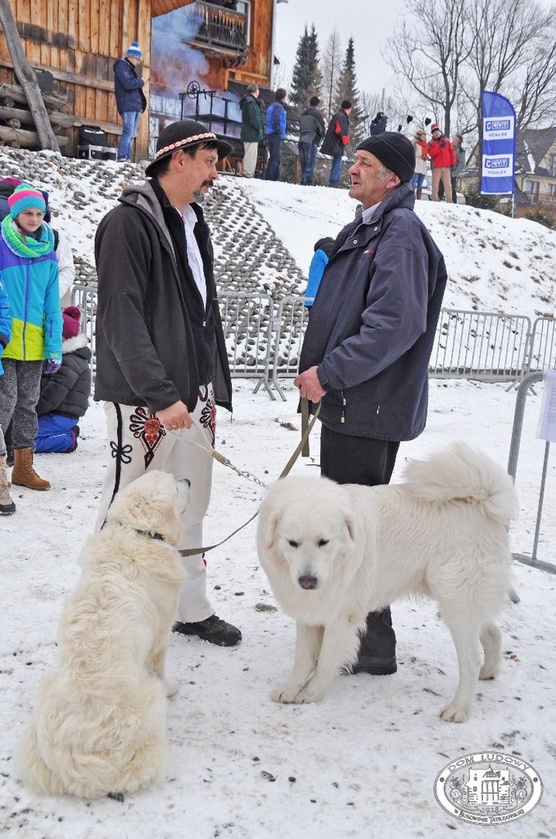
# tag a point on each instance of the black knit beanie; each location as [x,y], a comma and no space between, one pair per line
[394,150]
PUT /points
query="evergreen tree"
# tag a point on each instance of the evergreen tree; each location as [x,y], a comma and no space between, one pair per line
[306,78]
[347,89]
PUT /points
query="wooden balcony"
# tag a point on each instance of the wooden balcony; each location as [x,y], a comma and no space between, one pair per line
[219,32]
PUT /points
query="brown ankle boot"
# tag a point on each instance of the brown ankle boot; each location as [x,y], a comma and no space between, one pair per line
[23,473]
[7,506]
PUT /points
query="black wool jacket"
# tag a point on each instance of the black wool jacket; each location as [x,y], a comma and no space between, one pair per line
[156,342]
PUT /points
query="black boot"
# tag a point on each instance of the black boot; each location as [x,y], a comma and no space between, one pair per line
[377,653]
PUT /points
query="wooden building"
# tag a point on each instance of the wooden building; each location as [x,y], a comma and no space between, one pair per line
[191,52]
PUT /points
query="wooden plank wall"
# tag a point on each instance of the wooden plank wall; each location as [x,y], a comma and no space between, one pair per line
[78,42]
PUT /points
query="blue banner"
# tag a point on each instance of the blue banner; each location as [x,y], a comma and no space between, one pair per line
[498,151]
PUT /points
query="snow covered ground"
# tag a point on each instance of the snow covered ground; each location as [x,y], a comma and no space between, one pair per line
[362,763]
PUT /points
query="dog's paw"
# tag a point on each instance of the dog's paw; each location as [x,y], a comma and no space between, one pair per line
[307,695]
[454,713]
[486,673]
[285,693]
[172,685]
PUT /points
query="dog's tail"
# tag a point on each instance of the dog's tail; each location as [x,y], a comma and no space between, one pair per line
[464,473]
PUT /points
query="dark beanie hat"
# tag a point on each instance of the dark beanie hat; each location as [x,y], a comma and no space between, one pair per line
[395,151]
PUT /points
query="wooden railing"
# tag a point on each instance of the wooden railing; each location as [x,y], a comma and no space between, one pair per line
[219,27]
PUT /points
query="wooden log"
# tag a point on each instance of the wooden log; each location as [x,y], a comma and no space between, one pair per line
[15,92]
[26,139]
[14,123]
[27,78]
[26,117]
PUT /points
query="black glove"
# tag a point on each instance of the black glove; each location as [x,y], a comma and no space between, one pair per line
[428,121]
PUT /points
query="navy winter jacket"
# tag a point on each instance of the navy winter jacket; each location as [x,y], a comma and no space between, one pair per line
[127,87]
[373,323]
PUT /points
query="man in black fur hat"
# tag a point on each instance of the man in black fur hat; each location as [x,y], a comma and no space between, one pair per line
[369,338]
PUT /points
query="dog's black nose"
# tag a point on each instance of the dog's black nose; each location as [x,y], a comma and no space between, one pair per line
[307,581]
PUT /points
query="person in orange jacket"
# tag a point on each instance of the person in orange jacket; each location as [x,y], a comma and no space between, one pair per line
[443,156]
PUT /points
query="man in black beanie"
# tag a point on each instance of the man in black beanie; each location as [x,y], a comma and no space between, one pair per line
[369,338]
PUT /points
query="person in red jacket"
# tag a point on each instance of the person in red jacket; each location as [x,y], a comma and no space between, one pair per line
[443,156]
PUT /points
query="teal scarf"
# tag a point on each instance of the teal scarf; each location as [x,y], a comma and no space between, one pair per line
[27,246]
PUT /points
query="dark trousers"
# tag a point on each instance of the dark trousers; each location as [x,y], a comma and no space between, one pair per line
[356,460]
[359,460]
[273,166]
[307,161]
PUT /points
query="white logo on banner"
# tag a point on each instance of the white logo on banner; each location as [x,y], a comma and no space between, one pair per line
[498,128]
[497,166]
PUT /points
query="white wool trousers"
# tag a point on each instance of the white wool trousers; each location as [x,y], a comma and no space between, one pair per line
[137,442]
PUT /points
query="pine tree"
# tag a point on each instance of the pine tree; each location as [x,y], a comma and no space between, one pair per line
[306,78]
[347,89]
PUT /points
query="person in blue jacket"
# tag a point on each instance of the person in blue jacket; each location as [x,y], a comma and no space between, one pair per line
[130,98]
[275,131]
[29,272]
[322,250]
[369,338]
[7,506]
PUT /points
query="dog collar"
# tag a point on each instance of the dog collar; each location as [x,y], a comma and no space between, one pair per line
[150,535]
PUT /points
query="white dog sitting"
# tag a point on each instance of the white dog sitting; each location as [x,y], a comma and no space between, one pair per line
[334,553]
[99,725]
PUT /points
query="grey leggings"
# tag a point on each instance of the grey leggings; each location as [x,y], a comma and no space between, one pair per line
[20,388]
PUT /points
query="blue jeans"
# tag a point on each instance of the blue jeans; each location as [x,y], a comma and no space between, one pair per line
[417,180]
[336,169]
[273,166]
[307,159]
[130,121]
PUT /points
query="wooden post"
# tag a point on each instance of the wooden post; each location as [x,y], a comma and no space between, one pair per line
[27,79]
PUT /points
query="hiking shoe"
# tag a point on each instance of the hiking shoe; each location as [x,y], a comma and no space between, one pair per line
[212,629]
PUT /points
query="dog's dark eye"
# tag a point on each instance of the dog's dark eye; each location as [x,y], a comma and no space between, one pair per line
[322,542]
[292,543]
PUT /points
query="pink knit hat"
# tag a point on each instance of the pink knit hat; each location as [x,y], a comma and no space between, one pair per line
[25,197]
[71,317]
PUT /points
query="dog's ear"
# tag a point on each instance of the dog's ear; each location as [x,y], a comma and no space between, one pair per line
[268,526]
[349,522]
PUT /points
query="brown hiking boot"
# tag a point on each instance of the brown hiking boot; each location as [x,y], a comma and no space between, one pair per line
[23,474]
[7,506]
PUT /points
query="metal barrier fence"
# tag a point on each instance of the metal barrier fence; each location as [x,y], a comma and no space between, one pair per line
[264,337]
[523,390]
[542,346]
[480,345]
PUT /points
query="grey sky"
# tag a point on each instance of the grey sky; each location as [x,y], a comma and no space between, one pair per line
[370,24]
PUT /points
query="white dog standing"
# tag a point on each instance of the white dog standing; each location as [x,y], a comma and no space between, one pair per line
[334,553]
[99,724]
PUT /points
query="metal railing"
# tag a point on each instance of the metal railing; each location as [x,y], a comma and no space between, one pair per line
[264,337]
[480,345]
[522,392]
